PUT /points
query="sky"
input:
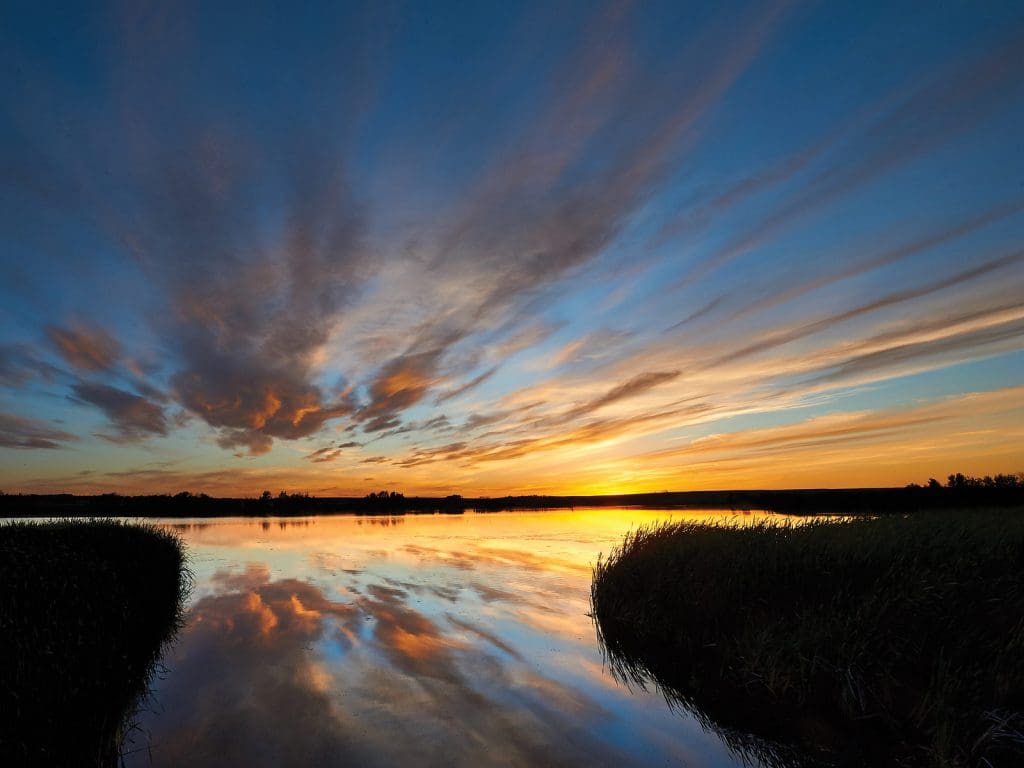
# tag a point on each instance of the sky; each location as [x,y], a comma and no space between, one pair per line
[490,248]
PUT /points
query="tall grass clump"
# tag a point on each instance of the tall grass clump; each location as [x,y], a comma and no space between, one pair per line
[85,609]
[888,641]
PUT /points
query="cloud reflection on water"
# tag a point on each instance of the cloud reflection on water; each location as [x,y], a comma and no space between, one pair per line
[264,677]
[429,651]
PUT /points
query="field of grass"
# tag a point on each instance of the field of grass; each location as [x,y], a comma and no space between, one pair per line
[85,609]
[889,641]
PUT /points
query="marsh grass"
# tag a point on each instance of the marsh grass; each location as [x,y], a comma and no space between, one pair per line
[85,610]
[888,641]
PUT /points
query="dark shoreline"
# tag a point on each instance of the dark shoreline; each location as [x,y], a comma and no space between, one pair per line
[891,640]
[799,502]
[85,611]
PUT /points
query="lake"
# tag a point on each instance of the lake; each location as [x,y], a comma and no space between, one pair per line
[448,640]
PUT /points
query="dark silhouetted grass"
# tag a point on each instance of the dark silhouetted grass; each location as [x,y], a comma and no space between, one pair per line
[888,641]
[85,608]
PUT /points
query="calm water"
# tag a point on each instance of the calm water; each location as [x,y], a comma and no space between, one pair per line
[418,640]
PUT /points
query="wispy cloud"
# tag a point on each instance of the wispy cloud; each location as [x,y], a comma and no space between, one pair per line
[133,417]
[84,348]
[464,388]
[331,452]
[27,433]
[21,364]
[948,104]
[789,335]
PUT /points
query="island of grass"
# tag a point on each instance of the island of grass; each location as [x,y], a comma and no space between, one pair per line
[888,641]
[85,609]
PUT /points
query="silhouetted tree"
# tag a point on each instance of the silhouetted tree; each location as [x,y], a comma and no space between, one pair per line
[960,480]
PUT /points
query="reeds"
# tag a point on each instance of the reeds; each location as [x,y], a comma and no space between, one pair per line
[889,641]
[85,609]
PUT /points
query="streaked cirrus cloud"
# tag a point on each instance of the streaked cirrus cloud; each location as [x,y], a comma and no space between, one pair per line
[488,250]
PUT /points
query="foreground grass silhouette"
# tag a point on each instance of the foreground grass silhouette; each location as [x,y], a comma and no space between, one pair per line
[85,609]
[890,641]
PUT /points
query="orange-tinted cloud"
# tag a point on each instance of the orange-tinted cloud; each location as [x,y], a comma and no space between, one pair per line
[85,348]
[28,433]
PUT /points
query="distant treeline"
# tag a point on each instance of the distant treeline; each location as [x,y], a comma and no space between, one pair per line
[959,491]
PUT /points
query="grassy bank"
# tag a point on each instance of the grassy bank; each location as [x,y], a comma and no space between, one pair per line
[890,641]
[84,611]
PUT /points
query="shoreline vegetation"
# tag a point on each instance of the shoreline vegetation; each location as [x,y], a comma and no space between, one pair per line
[959,492]
[893,640]
[85,612]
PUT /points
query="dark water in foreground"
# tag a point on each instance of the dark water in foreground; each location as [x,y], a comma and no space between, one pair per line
[418,640]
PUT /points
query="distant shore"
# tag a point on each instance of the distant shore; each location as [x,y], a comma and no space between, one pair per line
[798,501]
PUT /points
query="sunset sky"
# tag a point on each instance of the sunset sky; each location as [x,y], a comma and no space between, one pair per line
[491,248]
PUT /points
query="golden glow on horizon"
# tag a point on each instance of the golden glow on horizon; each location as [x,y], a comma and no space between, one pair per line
[979,433]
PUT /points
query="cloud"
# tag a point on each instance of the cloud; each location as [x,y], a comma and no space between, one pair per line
[891,255]
[257,247]
[592,347]
[552,201]
[318,457]
[252,240]
[401,383]
[732,387]
[946,105]
[481,419]
[255,442]
[252,400]
[24,432]
[464,388]
[250,312]
[85,348]
[331,452]
[134,417]
[637,385]
[698,313]
[21,363]
[319,453]
[549,434]
[964,343]
[788,335]
[934,435]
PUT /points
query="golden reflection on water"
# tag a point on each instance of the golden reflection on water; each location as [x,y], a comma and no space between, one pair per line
[415,640]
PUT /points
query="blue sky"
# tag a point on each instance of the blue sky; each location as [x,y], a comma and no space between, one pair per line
[491,247]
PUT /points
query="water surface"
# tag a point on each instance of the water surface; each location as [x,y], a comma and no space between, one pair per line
[460,640]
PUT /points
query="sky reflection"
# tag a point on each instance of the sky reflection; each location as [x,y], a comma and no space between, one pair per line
[435,640]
